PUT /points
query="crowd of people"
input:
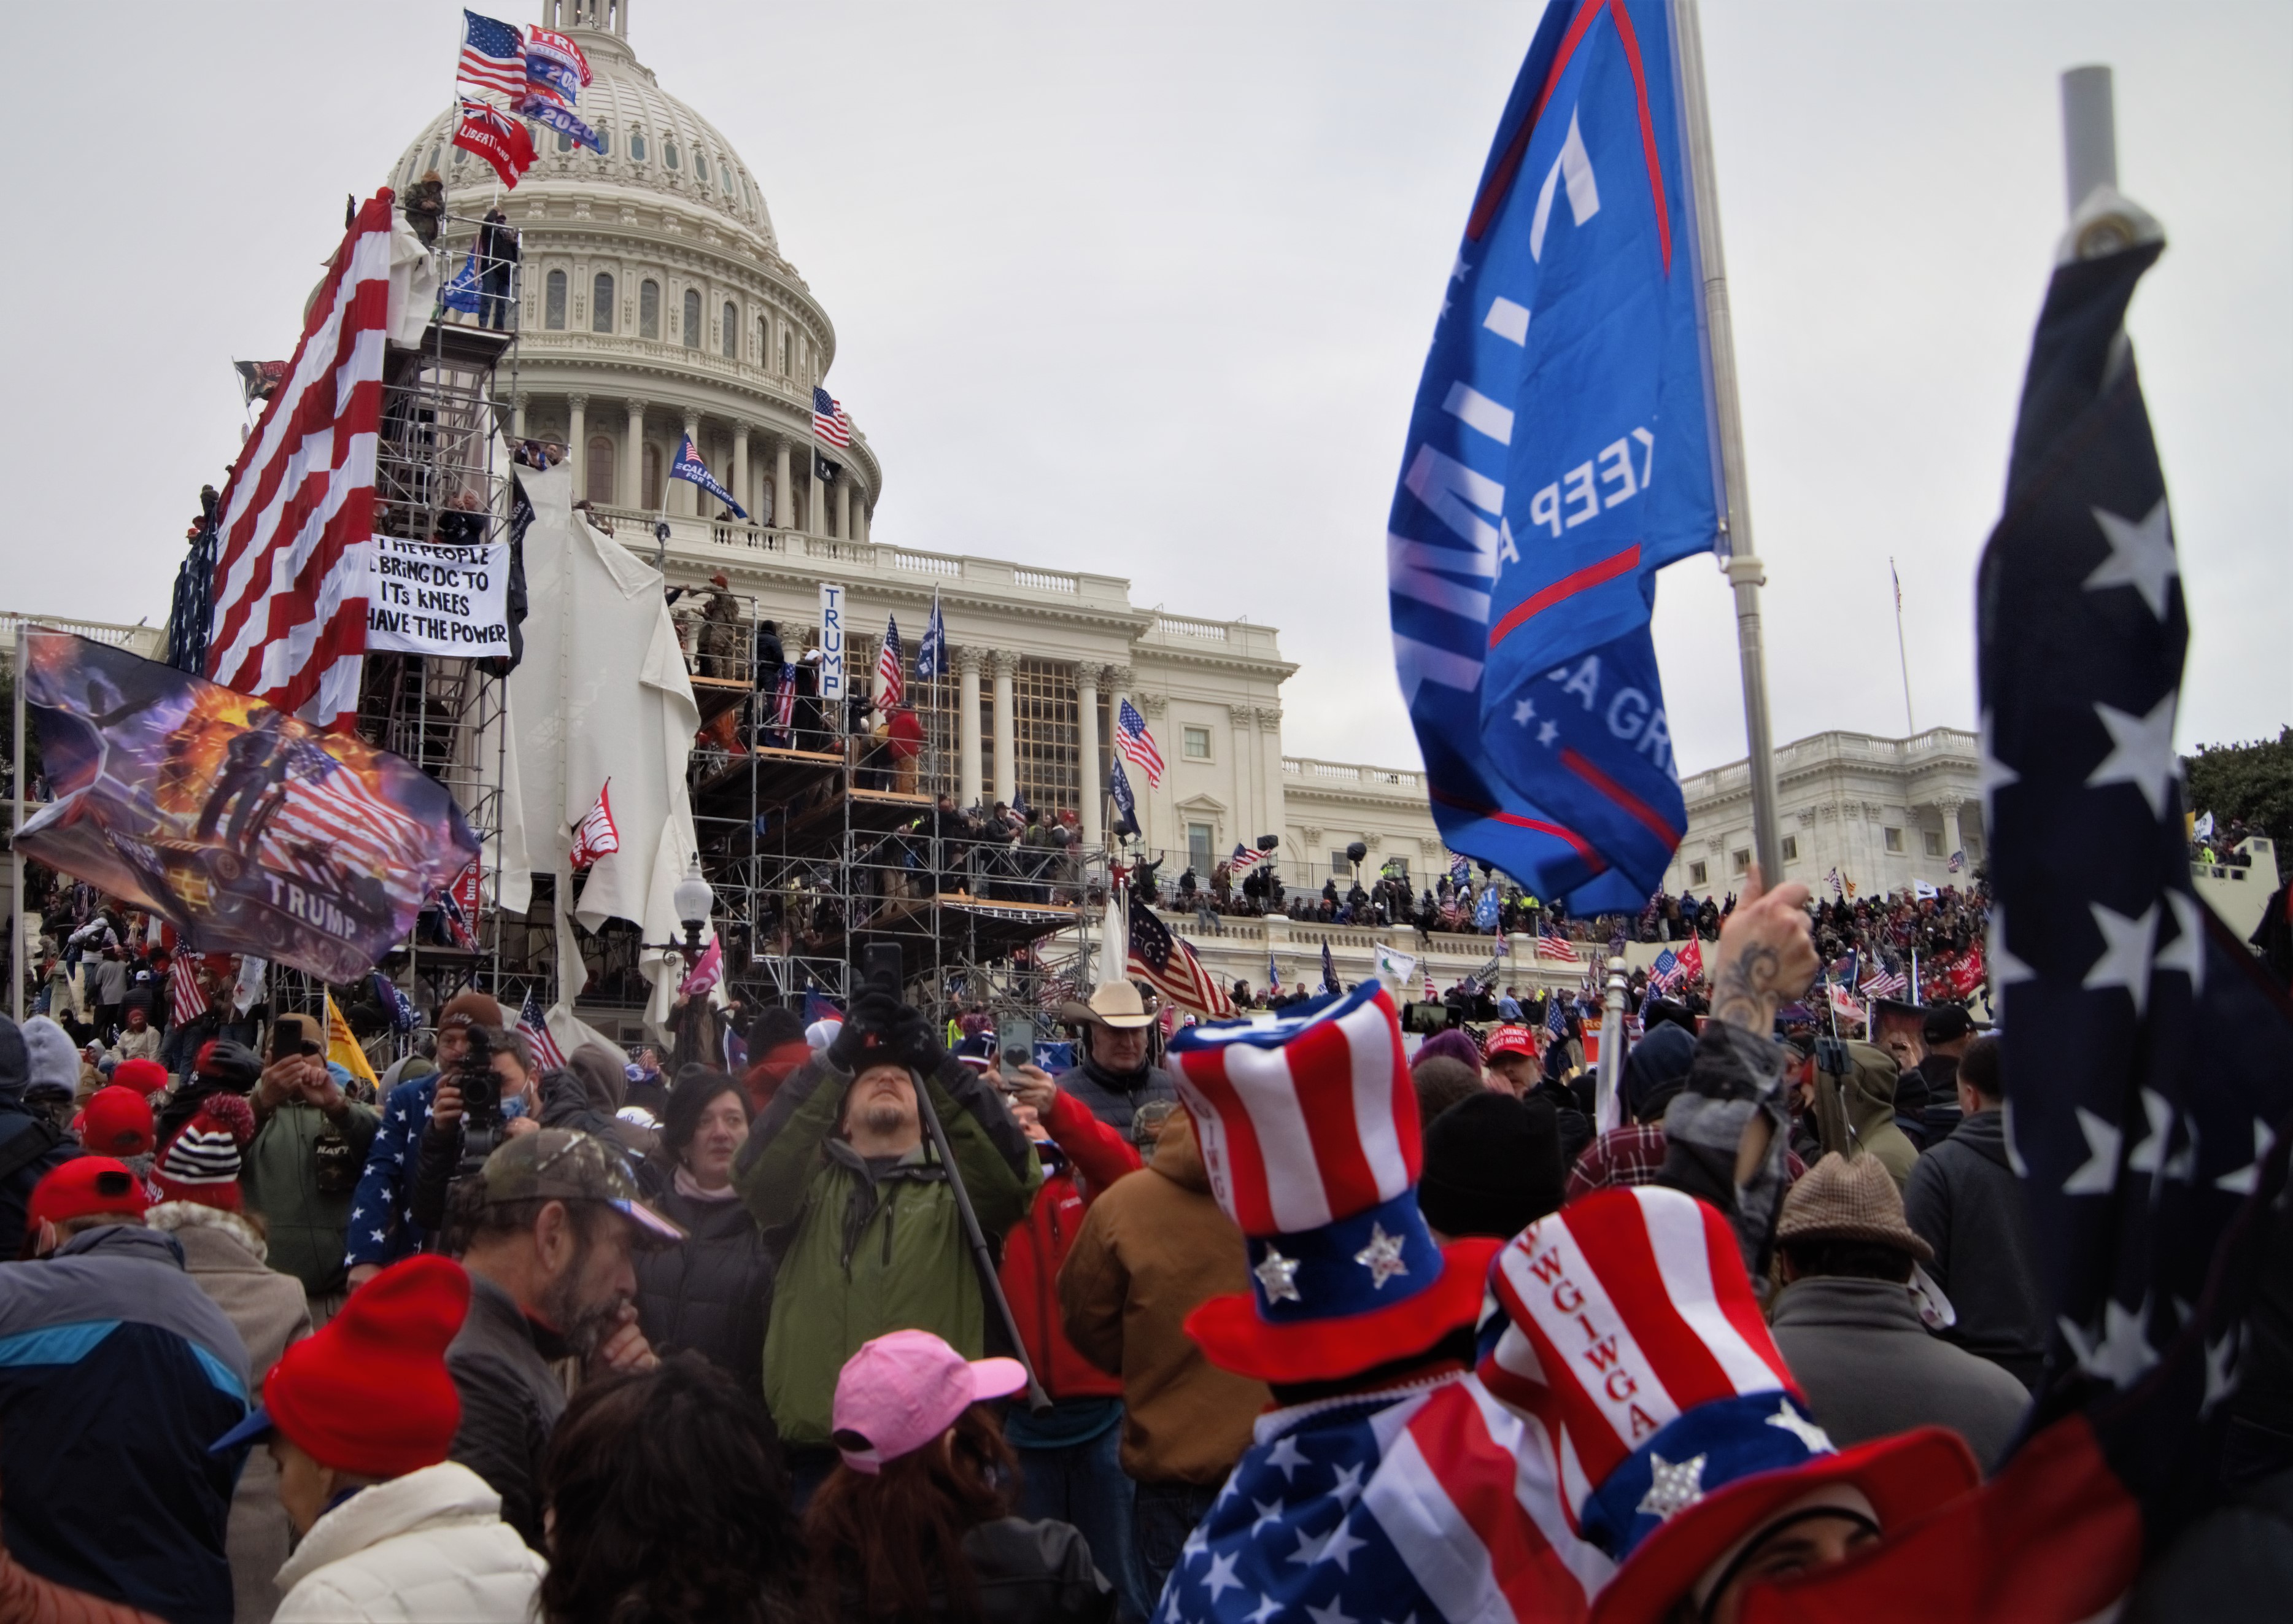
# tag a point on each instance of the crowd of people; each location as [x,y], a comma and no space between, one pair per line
[877,1328]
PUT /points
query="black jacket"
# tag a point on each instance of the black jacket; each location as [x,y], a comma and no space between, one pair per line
[1965,1202]
[511,1402]
[712,1294]
[1028,1573]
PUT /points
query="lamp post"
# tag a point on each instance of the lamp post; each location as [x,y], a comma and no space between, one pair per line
[695,899]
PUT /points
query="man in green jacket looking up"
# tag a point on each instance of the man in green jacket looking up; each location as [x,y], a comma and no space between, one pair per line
[300,1174]
[856,1210]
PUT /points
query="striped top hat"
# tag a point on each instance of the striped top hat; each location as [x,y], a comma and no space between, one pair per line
[1308,1129]
[1632,1335]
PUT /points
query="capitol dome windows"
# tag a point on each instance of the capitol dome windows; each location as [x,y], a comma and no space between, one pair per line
[701,166]
[668,152]
[552,303]
[564,141]
[636,146]
[691,319]
[731,332]
[649,309]
[599,470]
[604,141]
[601,304]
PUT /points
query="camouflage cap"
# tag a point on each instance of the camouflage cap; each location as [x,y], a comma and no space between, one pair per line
[562,1165]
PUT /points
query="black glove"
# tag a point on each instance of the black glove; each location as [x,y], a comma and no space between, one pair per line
[865,1036]
[917,1044]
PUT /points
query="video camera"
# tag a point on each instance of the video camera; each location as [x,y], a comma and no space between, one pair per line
[481,1090]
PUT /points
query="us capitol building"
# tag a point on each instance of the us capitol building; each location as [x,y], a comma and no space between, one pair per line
[656,302]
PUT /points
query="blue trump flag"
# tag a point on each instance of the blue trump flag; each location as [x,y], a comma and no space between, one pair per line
[461,293]
[688,466]
[1562,449]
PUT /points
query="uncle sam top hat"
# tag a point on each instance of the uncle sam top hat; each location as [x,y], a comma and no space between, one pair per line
[1631,1333]
[1308,1129]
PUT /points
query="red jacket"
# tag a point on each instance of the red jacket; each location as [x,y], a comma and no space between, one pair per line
[1097,1155]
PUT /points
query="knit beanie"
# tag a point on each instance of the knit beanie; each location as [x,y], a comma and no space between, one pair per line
[1656,1069]
[1453,1044]
[368,1392]
[1491,1166]
[199,1161]
[51,1060]
[12,1060]
[146,1078]
[117,1122]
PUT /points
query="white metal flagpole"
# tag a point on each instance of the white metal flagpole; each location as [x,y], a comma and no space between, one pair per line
[1743,567]
[1902,658]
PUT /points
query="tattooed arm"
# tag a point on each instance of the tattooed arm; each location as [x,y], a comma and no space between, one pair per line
[1765,956]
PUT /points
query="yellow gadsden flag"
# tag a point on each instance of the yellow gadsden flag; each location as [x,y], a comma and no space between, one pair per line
[343,1050]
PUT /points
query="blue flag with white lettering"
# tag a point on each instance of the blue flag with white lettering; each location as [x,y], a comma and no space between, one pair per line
[1560,451]
[688,466]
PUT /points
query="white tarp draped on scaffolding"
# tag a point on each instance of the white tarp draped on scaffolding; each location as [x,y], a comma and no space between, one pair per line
[601,694]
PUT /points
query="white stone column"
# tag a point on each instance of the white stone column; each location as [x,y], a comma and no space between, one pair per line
[1271,808]
[1953,838]
[783,495]
[688,494]
[967,725]
[844,508]
[1155,708]
[1094,786]
[859,517]
[518,416]
[1243,731]
[747,497]
[577,441]
[1006,747]
[632,492]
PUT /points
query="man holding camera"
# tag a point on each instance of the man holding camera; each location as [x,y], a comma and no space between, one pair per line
[382,1228]
[858,1213]
[300,1172]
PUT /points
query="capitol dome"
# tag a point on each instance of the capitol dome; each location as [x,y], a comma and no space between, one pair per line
[655,301]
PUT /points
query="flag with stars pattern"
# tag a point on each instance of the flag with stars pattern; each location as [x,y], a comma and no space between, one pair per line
[2152,1065]
[1430,1502]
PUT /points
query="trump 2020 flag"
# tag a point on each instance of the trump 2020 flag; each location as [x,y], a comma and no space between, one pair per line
[688,466]
[1561,450]
[931,654]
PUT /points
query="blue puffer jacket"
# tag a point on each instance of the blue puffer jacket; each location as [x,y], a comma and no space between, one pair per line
[116,1372]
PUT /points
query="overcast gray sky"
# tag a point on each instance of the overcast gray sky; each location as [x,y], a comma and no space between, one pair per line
[1147,290]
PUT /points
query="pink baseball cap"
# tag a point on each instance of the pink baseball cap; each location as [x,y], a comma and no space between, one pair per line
[903,1390]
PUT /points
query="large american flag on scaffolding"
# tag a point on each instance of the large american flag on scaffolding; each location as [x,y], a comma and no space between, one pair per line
[295,561]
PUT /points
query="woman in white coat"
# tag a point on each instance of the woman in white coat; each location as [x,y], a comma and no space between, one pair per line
[359,1418]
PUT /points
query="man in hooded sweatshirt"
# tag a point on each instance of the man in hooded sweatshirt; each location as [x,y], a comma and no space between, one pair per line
[1855,1113]
[1965,1202]
[30,1142]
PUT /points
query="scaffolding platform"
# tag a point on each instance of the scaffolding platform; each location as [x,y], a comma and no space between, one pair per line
[718,695]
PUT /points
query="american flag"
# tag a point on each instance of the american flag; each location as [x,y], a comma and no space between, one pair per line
[1169,966]
[1885,984]
[596,835]
[1137,745]
[187,1002]
[1551,945]
[1244,859]
[547,1055]
[333,830]
[784,702]
[1556,1014]
[493,56]
[1662,973]
[829,423]
[1958,861]
[2152,1062]
[295,566]
[891,668]
[1831,880]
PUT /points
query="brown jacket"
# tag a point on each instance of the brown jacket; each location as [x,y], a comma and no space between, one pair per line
[1154,1247]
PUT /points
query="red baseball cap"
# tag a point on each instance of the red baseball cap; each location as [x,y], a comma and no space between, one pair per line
[144,1077]
[117,1122]
[1511,1040]
[903,1390]
[85,1187]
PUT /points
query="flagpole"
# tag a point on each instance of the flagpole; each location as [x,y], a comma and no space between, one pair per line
[1902,658]
[1742,564]
[15,852]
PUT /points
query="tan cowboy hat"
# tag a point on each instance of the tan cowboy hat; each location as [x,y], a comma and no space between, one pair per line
[1112,1003]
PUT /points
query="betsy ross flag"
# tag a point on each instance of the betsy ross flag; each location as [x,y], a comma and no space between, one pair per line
[689,467]
[1551,945]
[1137,745]
[493,56]
[596,835]
[547,1055]
[1169,966]
[495,136]
[2152,1063]
[829,423]
[891,668]
[295,565]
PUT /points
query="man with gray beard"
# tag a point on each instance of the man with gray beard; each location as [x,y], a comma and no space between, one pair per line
[552,1218]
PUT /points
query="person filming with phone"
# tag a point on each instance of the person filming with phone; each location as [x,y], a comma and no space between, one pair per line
[859,1215]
